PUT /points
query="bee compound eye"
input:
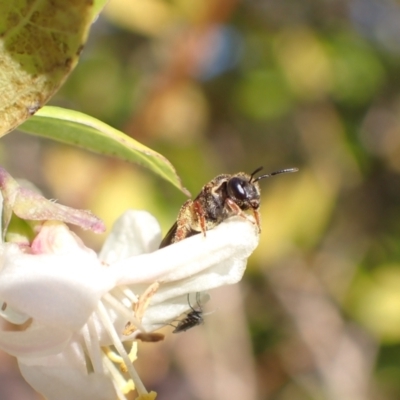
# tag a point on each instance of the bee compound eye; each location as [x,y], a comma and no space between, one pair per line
[236,188]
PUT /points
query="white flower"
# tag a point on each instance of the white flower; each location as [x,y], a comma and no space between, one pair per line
[66,306]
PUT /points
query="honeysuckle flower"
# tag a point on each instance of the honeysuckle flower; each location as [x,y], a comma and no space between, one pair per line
[69,310]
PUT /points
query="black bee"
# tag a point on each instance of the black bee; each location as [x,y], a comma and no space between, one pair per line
[194,318]
[223,197]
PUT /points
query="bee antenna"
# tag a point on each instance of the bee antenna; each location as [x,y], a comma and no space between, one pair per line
[253,173]
[282,171]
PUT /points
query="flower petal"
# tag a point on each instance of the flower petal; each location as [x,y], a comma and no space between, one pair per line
[56,238]
[65,383]
[36,340]
[230,242]
[59,290]
[11,315]
[134,233]
[71,356]
[30,205]
[196,264]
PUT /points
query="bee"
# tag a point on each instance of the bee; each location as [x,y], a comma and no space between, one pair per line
[194,318]
[223,197]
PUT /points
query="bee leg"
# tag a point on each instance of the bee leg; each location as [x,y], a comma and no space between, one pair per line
[199,212]
[183,222]
[257,217]
[237,210]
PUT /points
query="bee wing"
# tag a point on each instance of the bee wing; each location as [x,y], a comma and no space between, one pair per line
[169,236]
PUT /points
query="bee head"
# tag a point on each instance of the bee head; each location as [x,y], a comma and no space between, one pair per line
[245,190]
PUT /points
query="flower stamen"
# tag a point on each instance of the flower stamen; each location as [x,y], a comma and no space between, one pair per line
[128,293]
[108,325]
[125,312]
[121,385]
[92,345]
[144,300]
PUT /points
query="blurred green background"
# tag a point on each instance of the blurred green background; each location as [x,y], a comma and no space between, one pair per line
[226,86]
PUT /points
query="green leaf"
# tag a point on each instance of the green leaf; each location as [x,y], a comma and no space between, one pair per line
[40,43]
[78,129]
[97,7]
